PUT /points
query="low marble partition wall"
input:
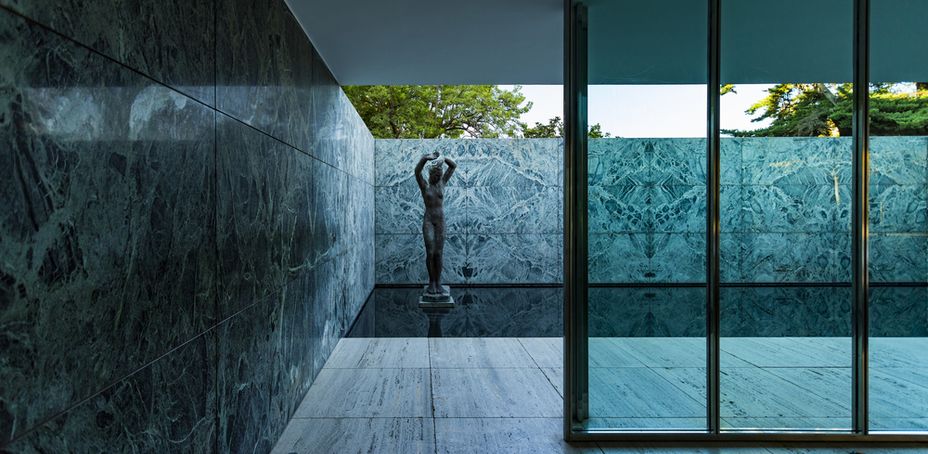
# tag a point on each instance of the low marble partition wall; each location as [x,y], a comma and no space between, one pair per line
[503,211]
[187,225]
[785,210]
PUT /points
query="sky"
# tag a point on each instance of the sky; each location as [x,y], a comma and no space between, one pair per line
[647,110]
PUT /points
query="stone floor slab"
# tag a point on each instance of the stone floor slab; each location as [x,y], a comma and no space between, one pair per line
[368,393]
[478,353]
[482,393]
[505,435]
[358,435]
[382,352]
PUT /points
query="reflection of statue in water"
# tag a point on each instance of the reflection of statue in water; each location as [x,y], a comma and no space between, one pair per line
[433,223]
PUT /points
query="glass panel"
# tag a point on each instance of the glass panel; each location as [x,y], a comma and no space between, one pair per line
[647,215]
[785,208]
[898,216]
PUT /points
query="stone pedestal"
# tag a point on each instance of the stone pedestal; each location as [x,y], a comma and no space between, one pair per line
[442,299]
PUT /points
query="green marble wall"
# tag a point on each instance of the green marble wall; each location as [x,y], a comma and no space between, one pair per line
[187,224]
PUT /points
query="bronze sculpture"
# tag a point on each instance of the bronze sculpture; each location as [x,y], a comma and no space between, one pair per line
[433,221]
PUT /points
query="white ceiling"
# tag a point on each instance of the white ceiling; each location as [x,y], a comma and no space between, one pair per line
[631,41]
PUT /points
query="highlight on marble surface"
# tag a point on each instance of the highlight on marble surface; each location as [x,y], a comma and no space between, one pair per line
[187,228]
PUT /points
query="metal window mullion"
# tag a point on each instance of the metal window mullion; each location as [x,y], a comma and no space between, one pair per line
[576,382]
[859,214]
[713,187]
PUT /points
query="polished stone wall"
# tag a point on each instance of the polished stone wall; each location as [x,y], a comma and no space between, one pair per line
[785,210]
[502,209]
[187,229]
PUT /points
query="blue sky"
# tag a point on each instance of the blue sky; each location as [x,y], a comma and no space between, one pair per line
[648,110]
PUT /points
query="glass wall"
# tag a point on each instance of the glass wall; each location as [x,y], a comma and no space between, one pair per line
[785,226]
[647,219]
[795,355]
[898,220]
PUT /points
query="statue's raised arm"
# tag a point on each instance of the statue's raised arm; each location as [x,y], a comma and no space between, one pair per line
[421,165]
[451,166]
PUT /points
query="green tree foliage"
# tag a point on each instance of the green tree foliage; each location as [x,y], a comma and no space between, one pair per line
[439,111]
[555,128]
[827,110]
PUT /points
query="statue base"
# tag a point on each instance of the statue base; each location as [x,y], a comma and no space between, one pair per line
[442,299]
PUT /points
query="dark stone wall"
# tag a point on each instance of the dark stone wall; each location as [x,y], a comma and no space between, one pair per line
[186,227]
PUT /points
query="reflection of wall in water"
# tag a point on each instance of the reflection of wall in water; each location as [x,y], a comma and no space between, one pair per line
[479,312]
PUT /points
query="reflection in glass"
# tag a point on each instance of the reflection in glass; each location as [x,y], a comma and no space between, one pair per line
[785,232]
[647,216]
[898,221]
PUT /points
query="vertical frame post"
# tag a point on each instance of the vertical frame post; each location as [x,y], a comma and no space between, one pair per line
[859,214]
[576,379]
[713,185]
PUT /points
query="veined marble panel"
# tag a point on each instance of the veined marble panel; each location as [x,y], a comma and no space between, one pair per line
[679,209]
[795,257]
[731,205]
[796,160]
[897,209]
[252,413]
[678,257]
[354,143]
[731,165]
[399,209]
[264,70]
[395,159]
[359,250]
[795,208]
[266,227]
[169,406]
[510,162]
[620,209]
[787,187]
[294,346]
[171,41]
[339,135]
[401,259]
[505,258]
[614,162]
[731,257]
[105,228]
[620,257]
[511,209]
[678,162]
[327,297]
[898,160]
[898,257]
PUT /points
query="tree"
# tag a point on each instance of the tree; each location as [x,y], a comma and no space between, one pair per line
[433,111]
[555,128]
[827,110]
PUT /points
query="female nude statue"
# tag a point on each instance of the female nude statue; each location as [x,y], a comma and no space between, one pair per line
[433,223]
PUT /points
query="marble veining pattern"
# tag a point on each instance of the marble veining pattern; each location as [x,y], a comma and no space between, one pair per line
[502,210]
[647,208]
[174,268]
[170,41]
[105,238]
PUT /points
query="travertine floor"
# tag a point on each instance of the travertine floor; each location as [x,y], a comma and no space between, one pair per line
[459,395]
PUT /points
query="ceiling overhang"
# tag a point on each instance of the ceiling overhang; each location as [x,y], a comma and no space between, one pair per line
[398,42]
